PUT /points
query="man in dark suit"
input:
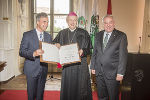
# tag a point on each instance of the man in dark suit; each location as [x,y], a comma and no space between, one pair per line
[109,59]
[35,71]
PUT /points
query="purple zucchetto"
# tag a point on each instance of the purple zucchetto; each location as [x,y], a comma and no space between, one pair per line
[72,14]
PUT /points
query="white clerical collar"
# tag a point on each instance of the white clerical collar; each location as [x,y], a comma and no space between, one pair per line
[72,30]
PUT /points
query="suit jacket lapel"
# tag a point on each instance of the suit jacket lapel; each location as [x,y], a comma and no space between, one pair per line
[35,39]
[45,37]
[100,41]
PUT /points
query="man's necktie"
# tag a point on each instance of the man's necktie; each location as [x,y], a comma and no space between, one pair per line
[41,37]
[105,41]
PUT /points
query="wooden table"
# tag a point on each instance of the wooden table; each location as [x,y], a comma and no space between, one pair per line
[2,65]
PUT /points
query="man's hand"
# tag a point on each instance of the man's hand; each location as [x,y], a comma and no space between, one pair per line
[57,45]
[93,71]
[119,77]
[80,52]
[38,52]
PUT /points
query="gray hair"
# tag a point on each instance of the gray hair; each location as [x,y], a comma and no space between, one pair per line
[40,15]
[107,16]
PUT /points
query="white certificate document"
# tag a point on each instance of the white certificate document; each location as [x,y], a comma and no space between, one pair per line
[51,52]
[67,54]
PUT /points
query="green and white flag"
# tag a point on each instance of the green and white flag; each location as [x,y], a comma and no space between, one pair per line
[82,13]
[82,22]
[94,28]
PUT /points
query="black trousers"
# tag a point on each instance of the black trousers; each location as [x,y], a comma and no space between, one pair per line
[36,85]
[107,89]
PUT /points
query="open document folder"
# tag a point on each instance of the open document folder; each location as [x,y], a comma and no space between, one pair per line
[67,54]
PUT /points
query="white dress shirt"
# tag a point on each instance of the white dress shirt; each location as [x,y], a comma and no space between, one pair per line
[109,34]
[38,34]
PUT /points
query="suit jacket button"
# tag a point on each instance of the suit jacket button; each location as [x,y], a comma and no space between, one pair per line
[101,64]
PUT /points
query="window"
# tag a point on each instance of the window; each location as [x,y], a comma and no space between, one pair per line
[57,11]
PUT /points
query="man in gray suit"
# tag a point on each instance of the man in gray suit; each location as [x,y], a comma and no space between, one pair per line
[109,59]
[36,71]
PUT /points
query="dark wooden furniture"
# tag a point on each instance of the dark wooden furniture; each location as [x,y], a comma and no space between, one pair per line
[136,83]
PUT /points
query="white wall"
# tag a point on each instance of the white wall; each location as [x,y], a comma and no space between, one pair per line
[7,39]
[128,16]
[146,28]
[14,20]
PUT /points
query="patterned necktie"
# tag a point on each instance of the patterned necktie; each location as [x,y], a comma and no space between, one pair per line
[105,41]
[41,37]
